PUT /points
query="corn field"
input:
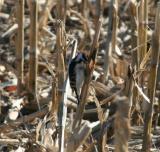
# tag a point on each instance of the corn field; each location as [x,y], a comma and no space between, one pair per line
[79,75]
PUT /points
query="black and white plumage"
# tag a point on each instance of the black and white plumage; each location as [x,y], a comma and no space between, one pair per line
[77,69]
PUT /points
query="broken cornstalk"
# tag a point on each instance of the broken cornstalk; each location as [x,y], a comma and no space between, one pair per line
[20,45]
[33,48]
[63,104]
[122,125]
[152,82]
[108,42]
[142,30]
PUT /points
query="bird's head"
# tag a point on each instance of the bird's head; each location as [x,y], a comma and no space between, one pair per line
[81,57]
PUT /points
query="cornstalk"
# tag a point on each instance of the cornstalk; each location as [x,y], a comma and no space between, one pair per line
[152,82]
[122,125]
[145,24]
[142,34]
[103,136]
[108,43]
[115,24]
[62,110]
[33,47]
[62,8]
[122,118]
[63,105]
[133,15]
[61,15]
[142,29]
[20,45]
[60,58]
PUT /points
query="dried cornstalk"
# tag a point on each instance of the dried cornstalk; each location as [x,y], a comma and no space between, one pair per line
[122,125]
[33,48]
[142,29]
[20,45]
[60,72]
[133,14]
[103,135]
[142,35]
[61,79]
[63,105]
[78,137]
[60,58]
[133,17]
[152,82]
[115,24]
[62,8]
[122,118]
[145,24]
[108,43]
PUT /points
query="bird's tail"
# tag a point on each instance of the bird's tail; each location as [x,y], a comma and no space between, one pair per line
[77,95]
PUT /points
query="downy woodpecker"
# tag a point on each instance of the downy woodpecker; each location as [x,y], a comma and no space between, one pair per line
[77,69]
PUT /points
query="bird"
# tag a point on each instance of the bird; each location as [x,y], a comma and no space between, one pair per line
[77,70]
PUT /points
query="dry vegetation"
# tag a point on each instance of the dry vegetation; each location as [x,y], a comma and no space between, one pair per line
[120,97]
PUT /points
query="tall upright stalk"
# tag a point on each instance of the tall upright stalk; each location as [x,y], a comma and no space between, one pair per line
[133,18]
[142,29]
[122,125]
[60,58]
[60,44]
[142,16]
[62,8]
[115,25]
[20,45]
[145,24]
[33,47]
[108,42]
[63,103]
[152,82]
[133,15]
[122,116]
